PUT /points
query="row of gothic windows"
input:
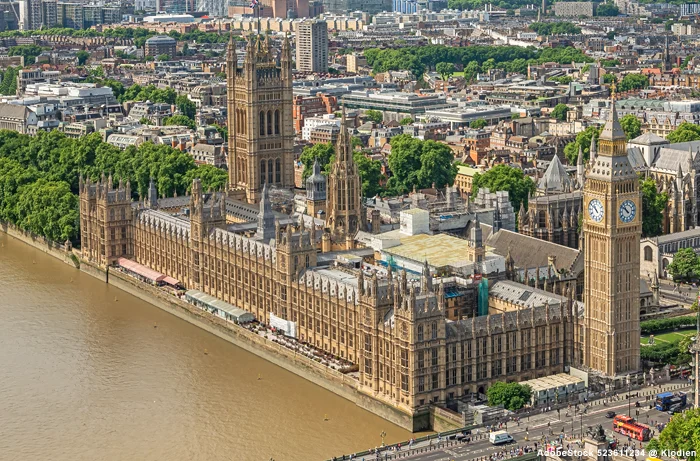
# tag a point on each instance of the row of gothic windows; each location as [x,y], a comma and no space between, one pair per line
[271,172]
[266,122]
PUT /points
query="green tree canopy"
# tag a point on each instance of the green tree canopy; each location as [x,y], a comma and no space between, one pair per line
[583,140]
[507,178]
[180,120]
[607,9]
[631,125]
[82,57]
[321,151]
[653,205]
[163,57]
[513,396]
[8,86]
[609,78]
[478,124]
[682,433]
[406,121]
[559,112]
[186,106]
[685,132]
[633,82]
[685,265]
[416,163]
[212,177]
[471,70]
[375,116]
[445,69]
[29,52]
[555,28]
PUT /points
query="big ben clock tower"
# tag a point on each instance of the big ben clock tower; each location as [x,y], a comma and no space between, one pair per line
[612,228]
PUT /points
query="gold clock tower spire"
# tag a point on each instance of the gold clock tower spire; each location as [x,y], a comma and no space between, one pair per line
[612,228]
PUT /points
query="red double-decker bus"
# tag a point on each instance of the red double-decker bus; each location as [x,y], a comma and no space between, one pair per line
[628,427]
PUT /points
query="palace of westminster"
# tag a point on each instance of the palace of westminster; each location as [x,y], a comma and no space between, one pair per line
[421,330]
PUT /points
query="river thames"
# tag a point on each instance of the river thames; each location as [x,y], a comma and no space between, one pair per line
[88,372]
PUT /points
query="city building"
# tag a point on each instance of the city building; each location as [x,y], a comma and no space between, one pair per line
[312,106]
[395,104]
[261,133]
[612,229]
[30,14]
[312,123]
[312,46]
[574,9]
[175,6]
[366,6]
[70,15]
[50,13]
[161,44]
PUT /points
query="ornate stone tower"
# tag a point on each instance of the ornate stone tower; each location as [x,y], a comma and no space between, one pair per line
[261,133]
[344,214]
[207,211]
[316,192]
[612,227]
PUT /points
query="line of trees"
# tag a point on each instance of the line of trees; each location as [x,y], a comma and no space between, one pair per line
[418,59]
[555,28]
[39,176]
[659,325]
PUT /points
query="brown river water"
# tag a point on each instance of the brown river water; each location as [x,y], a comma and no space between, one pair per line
[84,375]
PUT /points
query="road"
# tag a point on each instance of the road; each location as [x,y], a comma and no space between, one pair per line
[538,427]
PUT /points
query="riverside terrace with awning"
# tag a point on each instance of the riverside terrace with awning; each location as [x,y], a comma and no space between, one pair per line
[218,307]
[146,274]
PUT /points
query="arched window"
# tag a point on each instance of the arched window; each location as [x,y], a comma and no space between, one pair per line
[278,171]
[433,331]
[648,253]
[262,171]
[262,123]
[277,121]
[269,122]
[269,171]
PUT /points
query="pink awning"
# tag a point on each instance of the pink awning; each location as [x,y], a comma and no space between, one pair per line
[143,271]
[171,281]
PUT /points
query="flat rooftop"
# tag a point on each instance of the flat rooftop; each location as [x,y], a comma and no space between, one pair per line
[440,250]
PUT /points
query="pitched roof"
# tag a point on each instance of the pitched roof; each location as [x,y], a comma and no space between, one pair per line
[612,130]
[648,139]
[555,178]
[531,252]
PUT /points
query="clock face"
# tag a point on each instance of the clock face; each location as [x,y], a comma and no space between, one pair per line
[628,210]
[595,210]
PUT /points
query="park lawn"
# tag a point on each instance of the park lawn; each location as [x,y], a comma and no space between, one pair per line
[670,337]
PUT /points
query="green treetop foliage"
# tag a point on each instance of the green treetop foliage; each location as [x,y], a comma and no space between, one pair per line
[478,124]
[583,140]
[685,265]
[631,125]
[683,433]
[511,58]
[163,57]
[213,177]
[609,62]
[39,176]
[685,132]
[607,9]
[149,93]
[559,112]
[180,120]
[633,82]
[504,177]
[322,151]
[82,57]
[406,121]
[223,131]
[185,106]
[8,85]
[513,396]
[375,116]
[565,79]
[555,28]
[609,78]
[653,205]
[479,4]
[471,70]
[445,69]
[30,52]
[660,325]
[416,163]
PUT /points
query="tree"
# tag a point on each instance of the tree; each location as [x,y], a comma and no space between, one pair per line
[48,208]
[223,131]
[512,396]
[321,151]
[163,57]
[653,205]
[633,82]
[583,140]
[478,124]
[375,116]
[559,112]
[370,174]
[82,57]
[607,9]
[609,78]
[685,265]
[406,121]
[471,71]
[420,164]
[186,106]
[180,120]
[144,121]
[212,177]
[8,86]
[507,178]
[631,126]
[445,69]
[682,433]
[29,52]
[685,132]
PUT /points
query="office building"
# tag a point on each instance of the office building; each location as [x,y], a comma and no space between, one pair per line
[312,46]
[161,44]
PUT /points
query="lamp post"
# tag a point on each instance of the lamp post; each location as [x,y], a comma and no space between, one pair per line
[382,435]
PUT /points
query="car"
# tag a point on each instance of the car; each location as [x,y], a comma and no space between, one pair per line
[610,414]
[675,409]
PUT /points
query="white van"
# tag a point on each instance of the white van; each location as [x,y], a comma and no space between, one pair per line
[497,438]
